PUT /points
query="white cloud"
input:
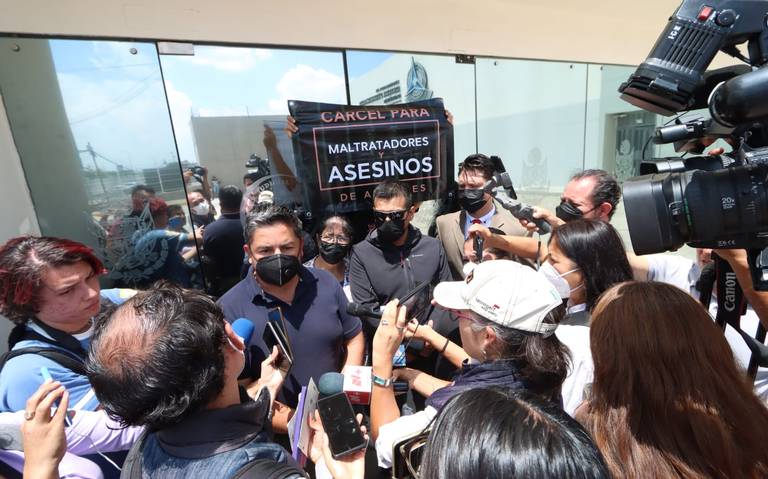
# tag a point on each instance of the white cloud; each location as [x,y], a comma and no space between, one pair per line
[230,59]
[124,120]
[181,114]
[222,111]
[303,82]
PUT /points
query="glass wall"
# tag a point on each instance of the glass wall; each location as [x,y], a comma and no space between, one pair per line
[91,124]
[93,120]
[229,107]
[383,78]
[531,114]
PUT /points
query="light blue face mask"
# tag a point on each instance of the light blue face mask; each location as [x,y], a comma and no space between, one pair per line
[177,222]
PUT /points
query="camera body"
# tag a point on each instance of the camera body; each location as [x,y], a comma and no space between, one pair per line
[197,170]
[716,201]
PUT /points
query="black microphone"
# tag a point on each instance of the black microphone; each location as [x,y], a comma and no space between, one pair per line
[361,311]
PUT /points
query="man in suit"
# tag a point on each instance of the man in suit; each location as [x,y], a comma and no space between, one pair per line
[477,207]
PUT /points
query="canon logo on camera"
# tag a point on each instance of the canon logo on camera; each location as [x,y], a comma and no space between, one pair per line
[730,292]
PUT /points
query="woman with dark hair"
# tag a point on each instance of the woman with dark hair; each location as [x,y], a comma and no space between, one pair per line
[529,438]
[667,399]
[586,257]
[589,255]
[507,315]
[334,240]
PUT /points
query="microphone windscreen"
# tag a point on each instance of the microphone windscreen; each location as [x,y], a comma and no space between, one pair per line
[244,328]
[330,384]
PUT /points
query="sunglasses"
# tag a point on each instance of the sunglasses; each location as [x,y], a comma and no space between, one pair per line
[381,216]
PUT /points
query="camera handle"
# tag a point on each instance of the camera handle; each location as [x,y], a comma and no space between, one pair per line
[523,212]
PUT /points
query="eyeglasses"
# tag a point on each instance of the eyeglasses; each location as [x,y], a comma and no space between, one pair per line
[381,216]
[457,315]
[338,239]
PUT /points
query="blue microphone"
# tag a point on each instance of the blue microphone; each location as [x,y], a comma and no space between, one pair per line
[244,328]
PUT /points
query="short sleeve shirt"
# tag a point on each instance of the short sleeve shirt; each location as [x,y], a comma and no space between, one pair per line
[316,322]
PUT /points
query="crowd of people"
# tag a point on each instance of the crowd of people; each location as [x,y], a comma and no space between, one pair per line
[571,359]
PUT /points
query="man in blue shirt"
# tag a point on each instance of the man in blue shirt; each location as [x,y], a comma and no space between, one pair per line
[312,302]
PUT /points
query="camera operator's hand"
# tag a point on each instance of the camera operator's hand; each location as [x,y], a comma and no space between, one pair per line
[351,466]
[541,213]
[43,433]
[390,333]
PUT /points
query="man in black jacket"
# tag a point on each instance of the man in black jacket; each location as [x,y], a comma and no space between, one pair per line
[395,256]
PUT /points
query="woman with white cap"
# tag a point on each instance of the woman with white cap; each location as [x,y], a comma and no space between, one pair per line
[507,315]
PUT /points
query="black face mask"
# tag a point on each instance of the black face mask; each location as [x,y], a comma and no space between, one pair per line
[567,212]
[391,230]
[471,200]
[332,253]
[277,269]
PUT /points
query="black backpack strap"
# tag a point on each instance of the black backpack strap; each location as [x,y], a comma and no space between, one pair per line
[134,463]
[67,360]
[268,469]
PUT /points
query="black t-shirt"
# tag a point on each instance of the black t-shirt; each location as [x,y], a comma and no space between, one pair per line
[223,243]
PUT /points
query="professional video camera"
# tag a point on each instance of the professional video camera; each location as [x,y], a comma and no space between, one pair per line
[708,201]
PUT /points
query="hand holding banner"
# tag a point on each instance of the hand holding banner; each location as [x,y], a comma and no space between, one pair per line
[343,152]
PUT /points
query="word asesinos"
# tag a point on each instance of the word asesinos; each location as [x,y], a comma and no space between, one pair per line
[380,169]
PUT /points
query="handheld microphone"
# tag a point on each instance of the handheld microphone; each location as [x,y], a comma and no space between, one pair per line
[361,311]
[519,210]
[356,383]
[330,384]
[244,328]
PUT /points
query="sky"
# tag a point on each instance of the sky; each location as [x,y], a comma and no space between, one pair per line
[115,92]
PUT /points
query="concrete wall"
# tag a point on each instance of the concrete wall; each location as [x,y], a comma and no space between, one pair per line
[17,211]
[598,31]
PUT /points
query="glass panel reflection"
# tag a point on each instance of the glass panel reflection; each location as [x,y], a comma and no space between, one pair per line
[229,109]
[532,115]
[384,78]
[92,127]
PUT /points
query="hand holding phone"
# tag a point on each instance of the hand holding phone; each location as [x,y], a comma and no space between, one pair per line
[275,336]
[341,426]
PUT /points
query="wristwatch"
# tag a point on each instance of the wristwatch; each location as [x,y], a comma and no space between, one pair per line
[380,381]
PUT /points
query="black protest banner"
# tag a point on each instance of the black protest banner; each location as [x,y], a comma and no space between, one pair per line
[342,152]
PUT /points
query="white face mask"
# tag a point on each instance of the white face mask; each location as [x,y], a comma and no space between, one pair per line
[201,209]
[558,280]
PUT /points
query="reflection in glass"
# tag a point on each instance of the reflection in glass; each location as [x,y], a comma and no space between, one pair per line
[531,114]
[229,109]
[383,78]
[96,149]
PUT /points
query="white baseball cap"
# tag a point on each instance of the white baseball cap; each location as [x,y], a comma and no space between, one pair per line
[505,292]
